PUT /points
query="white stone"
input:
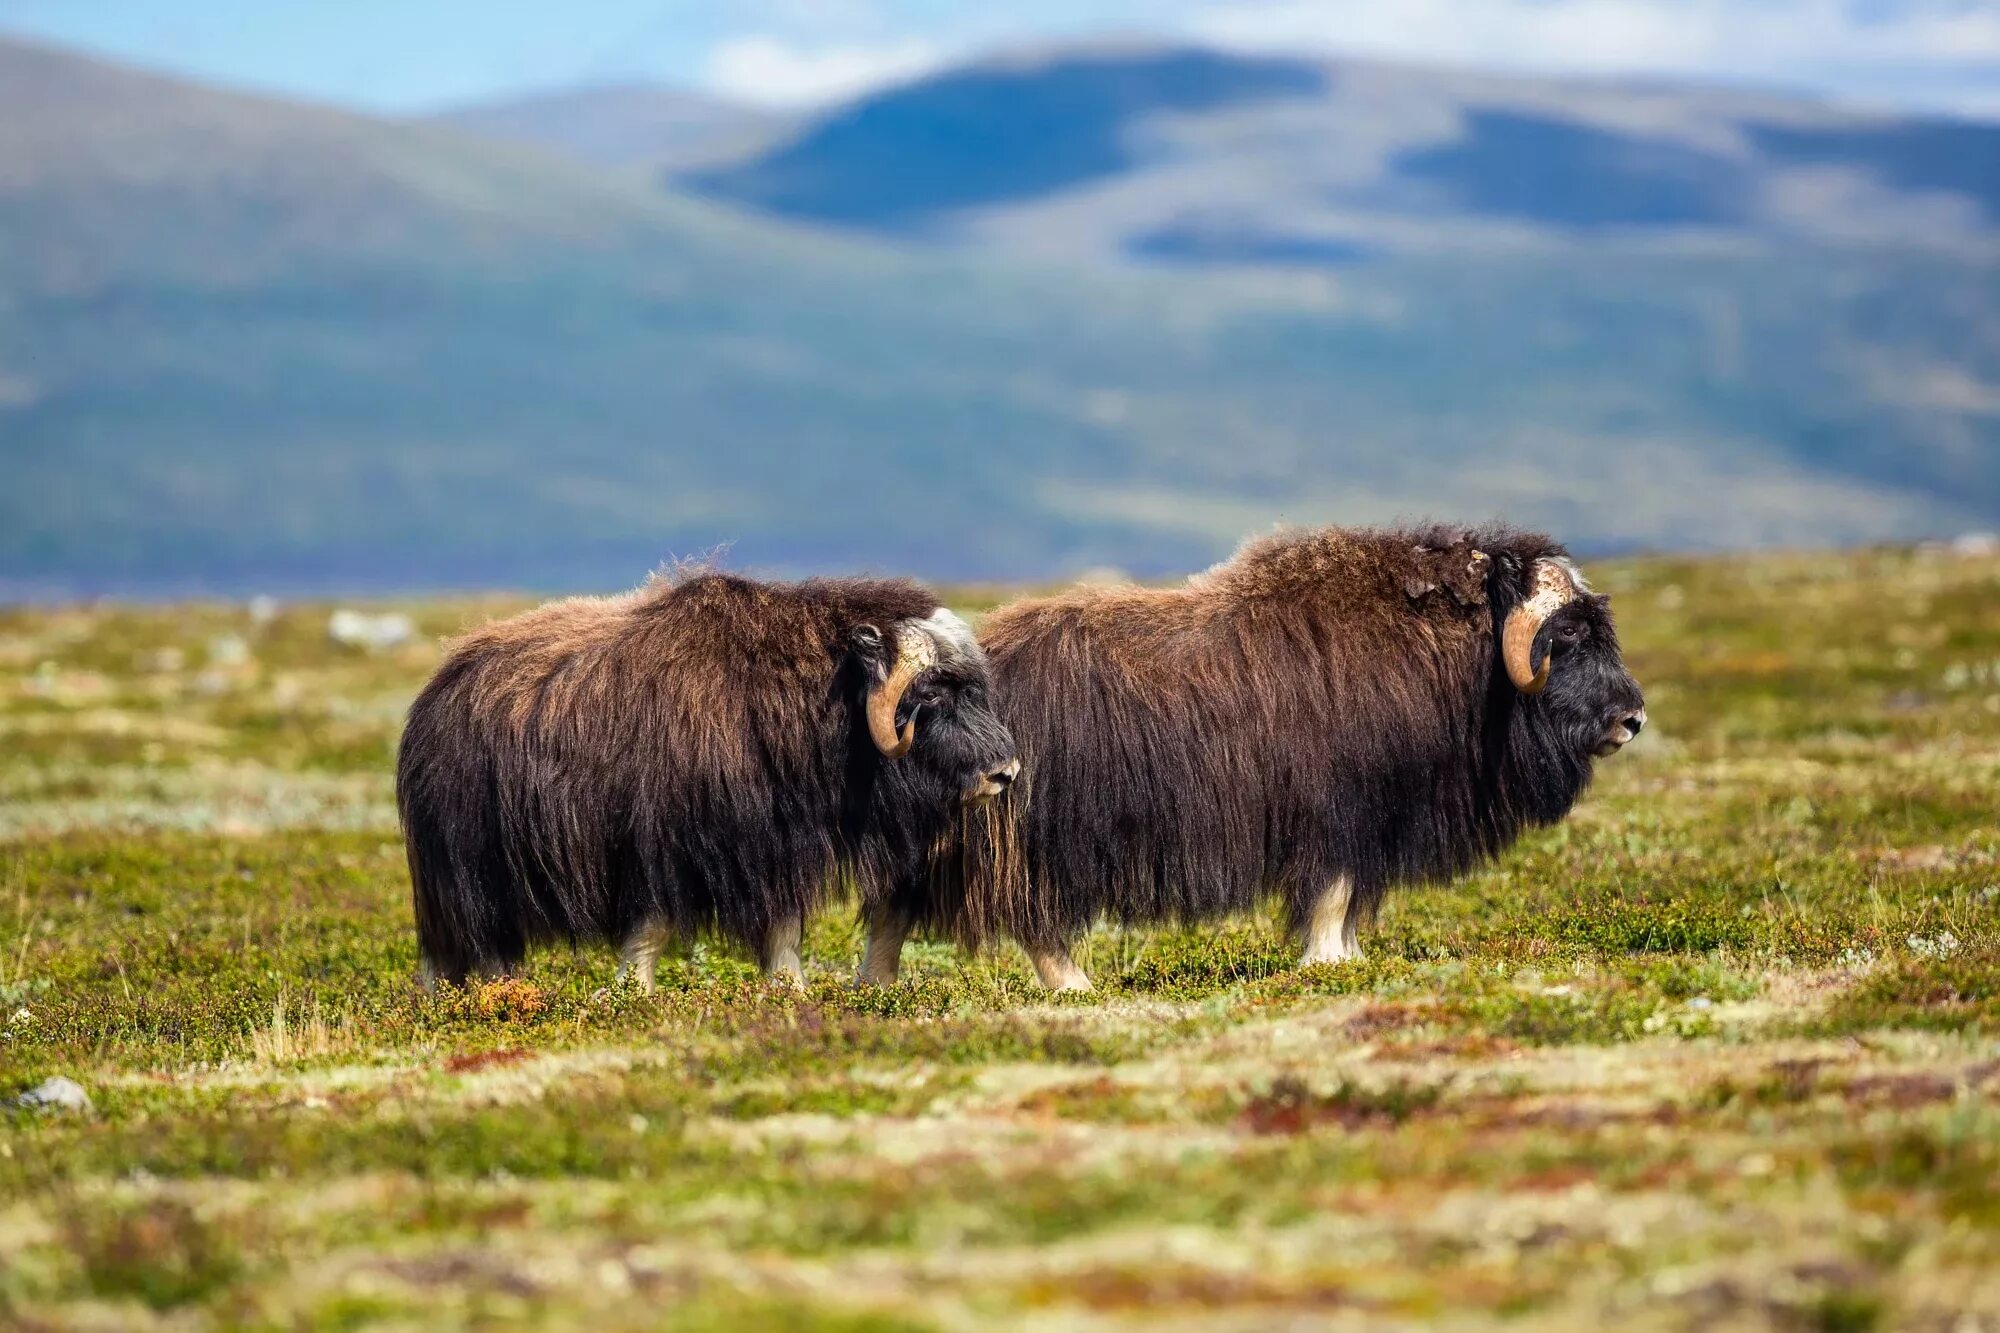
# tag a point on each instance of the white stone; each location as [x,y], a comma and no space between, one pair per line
[228,650]
[56,1094]
[358,629]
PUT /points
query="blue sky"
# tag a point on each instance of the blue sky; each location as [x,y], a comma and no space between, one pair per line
[406,55]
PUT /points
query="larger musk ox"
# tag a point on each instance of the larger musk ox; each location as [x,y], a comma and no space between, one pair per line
[707,753]
[1326,715]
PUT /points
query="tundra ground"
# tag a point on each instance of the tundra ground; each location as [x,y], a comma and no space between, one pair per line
[1724,1049]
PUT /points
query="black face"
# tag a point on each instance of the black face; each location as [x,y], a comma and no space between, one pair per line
[960,739]
[1591,699]
[963,753]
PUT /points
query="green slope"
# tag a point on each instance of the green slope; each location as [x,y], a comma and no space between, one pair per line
[245,344]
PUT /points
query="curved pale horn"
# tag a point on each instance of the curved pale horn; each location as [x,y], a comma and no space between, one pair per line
[1553,589]
[916,651]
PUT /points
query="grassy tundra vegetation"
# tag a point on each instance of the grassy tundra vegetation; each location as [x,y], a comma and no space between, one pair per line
[1724,1048]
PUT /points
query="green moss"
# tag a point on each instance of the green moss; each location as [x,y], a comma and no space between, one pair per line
[1949,985]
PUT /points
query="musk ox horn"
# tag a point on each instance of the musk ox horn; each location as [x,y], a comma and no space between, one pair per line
[1553,589]
[916,651]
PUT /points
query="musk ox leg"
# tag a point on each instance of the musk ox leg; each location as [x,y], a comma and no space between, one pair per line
[888,926]
[641,951]
[779,954]
[430,972]
[1057,970]
[1332,930]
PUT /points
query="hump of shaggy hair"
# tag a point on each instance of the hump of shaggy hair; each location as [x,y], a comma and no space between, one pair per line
[1322,704]
[678,753]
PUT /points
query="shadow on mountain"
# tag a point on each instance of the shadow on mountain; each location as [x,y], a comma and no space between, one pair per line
[1186,242]
[1562,173]
[1953,156]
[898,160]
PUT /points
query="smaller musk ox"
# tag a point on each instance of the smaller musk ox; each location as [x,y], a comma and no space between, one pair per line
[1326,715]
[707,753]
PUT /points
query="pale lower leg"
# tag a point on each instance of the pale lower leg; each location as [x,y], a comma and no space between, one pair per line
[641,952]
[1332,933]
[1057,970]
[888,926]
[780,954]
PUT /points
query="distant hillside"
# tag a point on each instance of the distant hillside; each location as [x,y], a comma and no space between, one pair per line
[1167,154]
[630,126]
[245,344]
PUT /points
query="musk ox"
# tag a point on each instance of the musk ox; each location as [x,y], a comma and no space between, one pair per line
[706,753]
[1325,715]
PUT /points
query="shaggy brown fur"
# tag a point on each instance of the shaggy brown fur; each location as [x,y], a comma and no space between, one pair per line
[1327,708]
[689,756]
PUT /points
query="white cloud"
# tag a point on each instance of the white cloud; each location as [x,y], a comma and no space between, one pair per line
[773,72]
[1831,45]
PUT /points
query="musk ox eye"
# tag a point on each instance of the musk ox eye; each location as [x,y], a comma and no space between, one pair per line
[1572,633]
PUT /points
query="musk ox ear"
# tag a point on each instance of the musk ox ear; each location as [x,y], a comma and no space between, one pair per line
[866,640]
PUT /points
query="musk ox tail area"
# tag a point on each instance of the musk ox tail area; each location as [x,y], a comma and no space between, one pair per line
[458,935]
[468,922]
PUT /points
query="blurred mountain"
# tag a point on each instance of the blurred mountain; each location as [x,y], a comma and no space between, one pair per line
[1169,154]
[251,345]
[632,126]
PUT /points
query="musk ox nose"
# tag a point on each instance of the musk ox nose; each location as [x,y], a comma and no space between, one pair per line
[1621,732]
[993,783]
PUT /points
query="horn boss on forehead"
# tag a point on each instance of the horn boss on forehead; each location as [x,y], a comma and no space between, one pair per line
[916,651]
[1550,589]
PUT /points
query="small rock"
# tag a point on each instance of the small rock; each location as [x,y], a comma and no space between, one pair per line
[57,1094]
[228,650]
[358,629]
